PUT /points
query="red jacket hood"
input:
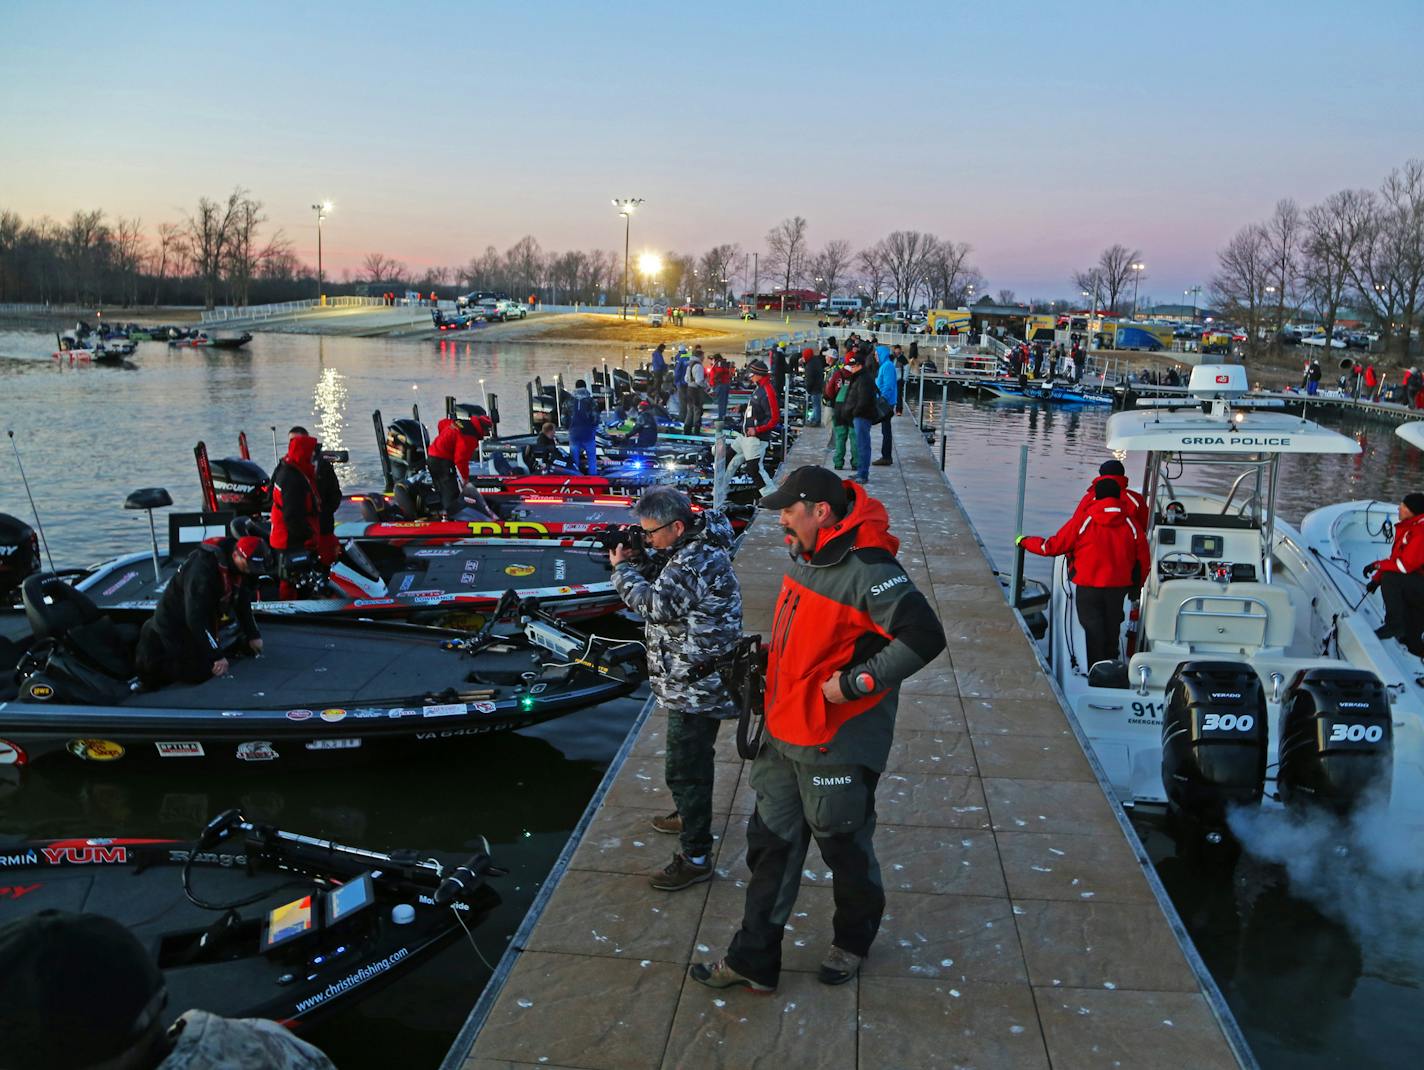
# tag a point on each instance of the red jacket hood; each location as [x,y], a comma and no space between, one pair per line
[301,452]
[866,520]
[1111,511]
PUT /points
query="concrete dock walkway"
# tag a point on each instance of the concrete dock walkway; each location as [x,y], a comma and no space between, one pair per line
[1021,929]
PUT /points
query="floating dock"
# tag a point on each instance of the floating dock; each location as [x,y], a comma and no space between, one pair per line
[1024,926]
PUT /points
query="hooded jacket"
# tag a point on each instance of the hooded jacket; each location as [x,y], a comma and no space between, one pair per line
[1105,546]
[848,610]
[457,445]
[1136,503]
[583,414]
[206,587]
[1407,553]
[763,410]
[691,604]
[296,505]
[203,1041]
[887,379]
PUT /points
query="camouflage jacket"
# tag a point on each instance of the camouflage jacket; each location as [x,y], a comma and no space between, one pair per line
[208,1042]
[691,602]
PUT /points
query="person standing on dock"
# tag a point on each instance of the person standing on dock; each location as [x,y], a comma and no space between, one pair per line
[759,422]
[1108,561]
[887,384]
[813,368]
[719,376]
[583,425]
[696,395]
[691,604]
[849,628]
[861,407]
[1399,578]
[1313,375]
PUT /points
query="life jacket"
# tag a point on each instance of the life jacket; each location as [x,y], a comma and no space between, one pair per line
[296,504]
[456,444]
[817,629]
[1105,548]
[1407,553]
[1136,504]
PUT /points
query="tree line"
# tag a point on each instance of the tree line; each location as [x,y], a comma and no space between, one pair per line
[1359,249]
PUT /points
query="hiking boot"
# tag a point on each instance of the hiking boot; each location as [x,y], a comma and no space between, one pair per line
[670,825]
[719,975]
[839,966]
[882,462]
[680,873]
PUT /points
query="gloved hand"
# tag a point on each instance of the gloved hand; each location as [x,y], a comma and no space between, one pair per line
[1372,586]
[1018,539]
[1370,568]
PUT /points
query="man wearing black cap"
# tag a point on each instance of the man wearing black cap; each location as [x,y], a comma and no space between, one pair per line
[1399,578]
[1131,500]
[1108,561]
[849,627]
[79,991]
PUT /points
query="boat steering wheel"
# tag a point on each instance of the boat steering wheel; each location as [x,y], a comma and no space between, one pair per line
[1179,565]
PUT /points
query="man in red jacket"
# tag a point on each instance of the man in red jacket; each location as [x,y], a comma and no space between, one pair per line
[849,627]
[1107,561]
[1400,578]
[296,508]
[1135,503]
[451,450]
[759,423]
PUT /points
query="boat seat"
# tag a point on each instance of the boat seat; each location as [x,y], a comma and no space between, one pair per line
[1189,617]
[243,526]
[61,614]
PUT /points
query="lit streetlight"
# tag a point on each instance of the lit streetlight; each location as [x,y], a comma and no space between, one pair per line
[322,210]
[625,206]
[649,265]
[1195,292]
[1137,270]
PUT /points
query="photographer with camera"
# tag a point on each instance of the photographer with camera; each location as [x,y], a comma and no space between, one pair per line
[848,629]
[676,573]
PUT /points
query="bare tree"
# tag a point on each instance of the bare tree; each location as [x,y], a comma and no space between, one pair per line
[873,272]
[1334,230]
[378,268]
[86,240]
[130,249]
[1244,269]
[524,266]
[1387,270]
[1090,282]
[716,267]
[167,255]
[831,265]
[243,252]
[905,255]
[1007,297]
[1115,271]
[786,253]
[1283,236]
[209,231]
[949,274]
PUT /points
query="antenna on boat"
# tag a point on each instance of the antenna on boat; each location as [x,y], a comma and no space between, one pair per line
[23,479]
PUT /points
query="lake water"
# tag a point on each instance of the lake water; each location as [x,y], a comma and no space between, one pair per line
[1312,988]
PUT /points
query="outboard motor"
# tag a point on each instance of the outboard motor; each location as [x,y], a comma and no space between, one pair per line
[405,446]
[1214,739]
[242,486]
[19,556]
[1337,739]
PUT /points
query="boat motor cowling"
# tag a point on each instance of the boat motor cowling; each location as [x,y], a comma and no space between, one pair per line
[405,446]
[19,555]
[1214,739]
[1337,739]
[242,486]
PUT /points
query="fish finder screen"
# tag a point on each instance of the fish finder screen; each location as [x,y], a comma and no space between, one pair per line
[352,897]
[288,921]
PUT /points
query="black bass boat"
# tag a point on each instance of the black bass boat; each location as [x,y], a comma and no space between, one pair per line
[255,922]
[322,691]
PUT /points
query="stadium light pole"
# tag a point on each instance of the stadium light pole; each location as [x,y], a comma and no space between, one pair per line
[625,206]
[1137,270]
[322,210]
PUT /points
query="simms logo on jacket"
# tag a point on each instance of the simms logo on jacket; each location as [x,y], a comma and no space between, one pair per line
[881,588]
[831,781]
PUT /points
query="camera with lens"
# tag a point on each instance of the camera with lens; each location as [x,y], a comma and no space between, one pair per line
[630,535]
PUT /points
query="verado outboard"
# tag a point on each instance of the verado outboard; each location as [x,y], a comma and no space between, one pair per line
[321,692]
[255,922]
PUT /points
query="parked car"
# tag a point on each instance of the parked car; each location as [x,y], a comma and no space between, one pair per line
[692,310]
[475,297]
[511,310]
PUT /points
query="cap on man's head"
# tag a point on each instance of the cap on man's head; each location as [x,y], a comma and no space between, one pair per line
[810,483]
[1112,467]
[1415,503]
[758,367]
[853,359]
[254,549]
[76,990]
[1106,488]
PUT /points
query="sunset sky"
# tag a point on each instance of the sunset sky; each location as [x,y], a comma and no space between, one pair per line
[1038,132]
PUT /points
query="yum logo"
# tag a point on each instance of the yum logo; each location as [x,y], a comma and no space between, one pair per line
[85,856]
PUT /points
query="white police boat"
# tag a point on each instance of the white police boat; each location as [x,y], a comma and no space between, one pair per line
[1237,683]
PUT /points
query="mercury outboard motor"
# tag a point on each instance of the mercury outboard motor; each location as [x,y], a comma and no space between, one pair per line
[1214,739]
[19,556]
[1337,739]
[405,446]
[241,486]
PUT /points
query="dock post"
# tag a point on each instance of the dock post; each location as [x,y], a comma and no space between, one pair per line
[785,415]
[920,411]
[1016,575]
[719,467]
[943,423]
[493,407]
